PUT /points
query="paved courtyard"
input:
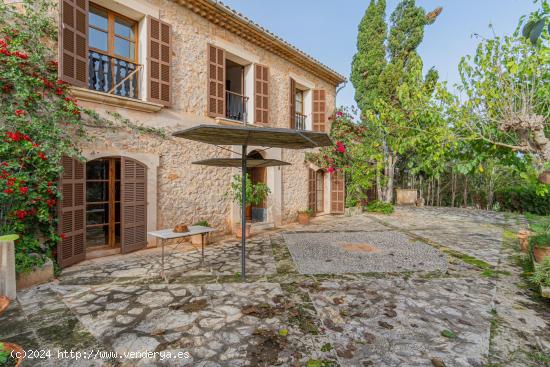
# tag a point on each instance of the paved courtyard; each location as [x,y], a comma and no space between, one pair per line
[422,287]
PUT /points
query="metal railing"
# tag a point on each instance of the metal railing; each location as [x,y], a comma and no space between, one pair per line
[235,106]
[300,121]
[112,75]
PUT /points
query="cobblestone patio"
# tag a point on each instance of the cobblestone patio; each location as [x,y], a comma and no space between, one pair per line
[469,309]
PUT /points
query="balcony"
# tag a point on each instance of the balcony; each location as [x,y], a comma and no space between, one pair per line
[235,106]
[112,75]
[300,121]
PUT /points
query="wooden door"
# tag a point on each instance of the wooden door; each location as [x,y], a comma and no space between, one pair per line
[133,205]
[72,214]
[311,190]
[319,191]
[337,193]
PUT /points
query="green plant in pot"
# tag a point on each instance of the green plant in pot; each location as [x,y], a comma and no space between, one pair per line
[256,193]
[8,353]
[540,245]
[304,215]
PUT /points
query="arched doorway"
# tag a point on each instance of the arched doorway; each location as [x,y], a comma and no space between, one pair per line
[257,213]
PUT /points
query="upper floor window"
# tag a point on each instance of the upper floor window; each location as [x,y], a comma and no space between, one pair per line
[299,101]
[112,55]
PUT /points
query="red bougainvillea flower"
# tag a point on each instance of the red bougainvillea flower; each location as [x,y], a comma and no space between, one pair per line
[8,191]
[50,183]
[59,91]
[21,214]
[19,113]
[3,43]
[5,51]
[21,55]
[50,202]
[42,156]
[339,114]
[62,235]
[26,137]
[330,169]
[24,190]
[340,147]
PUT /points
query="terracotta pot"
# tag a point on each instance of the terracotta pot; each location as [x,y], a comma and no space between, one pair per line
[523,238]
[303,218]
[4,303]
[545,177]
[17,349]
[238,230]
[540,253]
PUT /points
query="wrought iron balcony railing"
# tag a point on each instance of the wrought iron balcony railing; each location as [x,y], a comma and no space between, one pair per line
[112,75]
[300,121]
[235,106]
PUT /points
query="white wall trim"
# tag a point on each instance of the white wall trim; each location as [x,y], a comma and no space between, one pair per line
[237,53]
[304,83]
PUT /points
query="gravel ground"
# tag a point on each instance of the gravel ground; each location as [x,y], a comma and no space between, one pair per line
[361,252]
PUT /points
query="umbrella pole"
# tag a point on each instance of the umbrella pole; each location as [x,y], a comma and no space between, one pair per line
[243,215]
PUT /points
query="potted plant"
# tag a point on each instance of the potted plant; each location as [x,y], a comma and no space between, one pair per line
[8,351]
[523,237]
[540,243]
[198,238]
[10,354]
[4,303]
[541,277]
[255,195]
[303,216]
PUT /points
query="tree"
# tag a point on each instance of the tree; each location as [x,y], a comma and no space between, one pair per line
[393,95]
[507,94]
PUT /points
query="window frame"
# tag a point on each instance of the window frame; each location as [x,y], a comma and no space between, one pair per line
[300,92]
[111,15]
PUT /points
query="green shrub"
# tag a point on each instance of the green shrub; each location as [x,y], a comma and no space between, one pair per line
[203,223]
[541,276]
[523,199]
[380,207]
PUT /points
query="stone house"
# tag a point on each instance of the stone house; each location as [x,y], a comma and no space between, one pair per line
[174,64]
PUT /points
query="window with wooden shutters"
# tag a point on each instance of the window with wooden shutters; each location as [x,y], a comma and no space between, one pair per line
[216,81]
[73,42]
[292,103]
[319,110]
[311,191]
[133,205]
[72,213]
[261,94]
[337,193]
[159,60]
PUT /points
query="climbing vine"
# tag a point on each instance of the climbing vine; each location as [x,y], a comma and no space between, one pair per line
[39,123]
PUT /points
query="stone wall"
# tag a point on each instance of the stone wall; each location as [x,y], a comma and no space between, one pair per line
[187,193]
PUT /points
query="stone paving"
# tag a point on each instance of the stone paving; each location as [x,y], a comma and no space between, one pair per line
[474,311]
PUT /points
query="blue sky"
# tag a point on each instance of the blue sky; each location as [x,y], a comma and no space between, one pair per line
[327,29]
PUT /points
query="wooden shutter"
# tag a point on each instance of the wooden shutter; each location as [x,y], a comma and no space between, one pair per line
[72,213]
[159,56]
[319,110]
[73,42]
[311,191]
[216,81]
[337,193]
[261,94]
[292,103]
[133,205]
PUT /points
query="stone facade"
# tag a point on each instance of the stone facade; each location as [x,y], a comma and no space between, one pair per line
[186,193]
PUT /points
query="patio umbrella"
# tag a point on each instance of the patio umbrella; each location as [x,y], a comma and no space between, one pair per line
[251,136]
